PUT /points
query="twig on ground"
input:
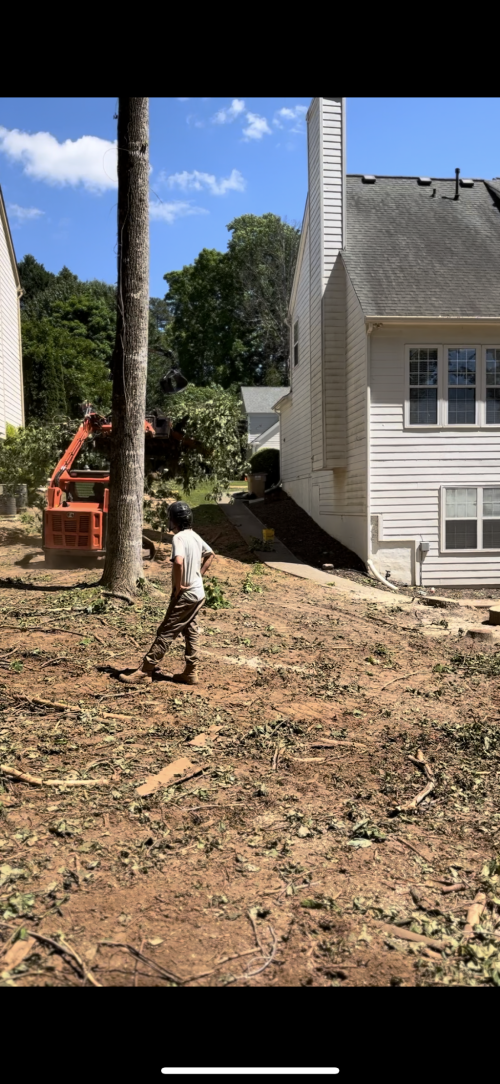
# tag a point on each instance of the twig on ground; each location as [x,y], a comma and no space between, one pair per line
[276,758]
[459,887]
[415,801]
[136,965]
[204,974]
[474,914]
[36,781]
[145,959]
[64,949]
[421,762]
[413,673]
[411,846]
[251,974]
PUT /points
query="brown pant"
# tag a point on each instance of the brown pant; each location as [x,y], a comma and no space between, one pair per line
[179,618]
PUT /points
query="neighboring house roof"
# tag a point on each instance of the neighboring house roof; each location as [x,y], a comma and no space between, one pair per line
[8,238]
[261,400]
[410,252]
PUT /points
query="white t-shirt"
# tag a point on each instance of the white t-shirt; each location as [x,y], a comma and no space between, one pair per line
[192,548]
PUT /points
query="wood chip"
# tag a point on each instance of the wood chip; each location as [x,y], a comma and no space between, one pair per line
[176,772]
[474,914]
[408,935]
[17,953]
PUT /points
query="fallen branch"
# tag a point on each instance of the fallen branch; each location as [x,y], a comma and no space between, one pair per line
[276,758]
[65,950]
[36,781]
[145,959]
[415,802]
[421,762]
[459,887]
[474,914]
[407,935]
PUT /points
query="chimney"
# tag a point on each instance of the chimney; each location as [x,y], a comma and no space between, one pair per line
[327,168]
[326,147]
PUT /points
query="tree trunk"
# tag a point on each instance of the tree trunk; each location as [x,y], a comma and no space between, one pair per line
[123,563]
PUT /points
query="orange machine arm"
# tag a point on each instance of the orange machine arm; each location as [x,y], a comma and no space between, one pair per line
[69,456]
[90,424]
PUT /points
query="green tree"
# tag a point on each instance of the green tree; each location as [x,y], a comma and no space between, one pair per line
[212,417]
[229,308]
[263,252]
[62,369]
[205,330]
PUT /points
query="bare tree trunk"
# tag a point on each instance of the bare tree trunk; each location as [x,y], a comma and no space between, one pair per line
[123,563]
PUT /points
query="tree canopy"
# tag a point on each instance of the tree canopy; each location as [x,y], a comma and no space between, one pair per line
[229,308]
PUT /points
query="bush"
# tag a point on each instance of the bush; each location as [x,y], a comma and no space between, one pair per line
[29,455]
[267,461]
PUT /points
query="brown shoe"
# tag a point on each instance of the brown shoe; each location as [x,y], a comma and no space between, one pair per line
[189,676]
[139,677]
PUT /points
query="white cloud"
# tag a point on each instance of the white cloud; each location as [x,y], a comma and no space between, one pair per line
[295,115]
[23,214]
[256,126]
[89,161]
[226,116]
[168,212]
[199,181]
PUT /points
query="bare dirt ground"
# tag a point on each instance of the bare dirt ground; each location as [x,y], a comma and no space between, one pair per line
[280,860]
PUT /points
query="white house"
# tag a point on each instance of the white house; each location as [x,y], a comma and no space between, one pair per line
[390,435]
[263,421]
[11,366]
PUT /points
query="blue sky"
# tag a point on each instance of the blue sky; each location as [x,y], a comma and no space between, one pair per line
[212,159]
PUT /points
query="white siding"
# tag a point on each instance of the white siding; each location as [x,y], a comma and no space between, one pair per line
[11,392]
[315,144]
[269,439]
[408,466]
[258,424]
[296,414]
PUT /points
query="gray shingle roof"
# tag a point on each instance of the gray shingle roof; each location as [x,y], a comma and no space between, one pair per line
[261,400]
[412,253]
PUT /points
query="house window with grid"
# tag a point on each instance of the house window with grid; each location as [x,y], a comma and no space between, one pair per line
[423,386]
[296,343]
[461,518]
[462,386]
[491,518]
[472,518]
[492,386]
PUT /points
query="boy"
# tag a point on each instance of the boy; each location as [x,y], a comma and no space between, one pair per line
[191,558]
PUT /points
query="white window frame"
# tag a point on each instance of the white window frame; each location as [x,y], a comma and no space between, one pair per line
[479,515]
[442,385]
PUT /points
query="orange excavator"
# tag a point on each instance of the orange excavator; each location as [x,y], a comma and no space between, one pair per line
[75,521]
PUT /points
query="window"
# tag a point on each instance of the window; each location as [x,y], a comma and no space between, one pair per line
[296,343]
[423,386]
[491,518]
[452,385]
[492,386]
[472,518]
[462,386]
[461,519]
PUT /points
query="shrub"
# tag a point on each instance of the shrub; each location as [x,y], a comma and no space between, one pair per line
[267,461]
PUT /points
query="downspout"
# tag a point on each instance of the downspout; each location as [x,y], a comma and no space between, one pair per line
[369,563]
